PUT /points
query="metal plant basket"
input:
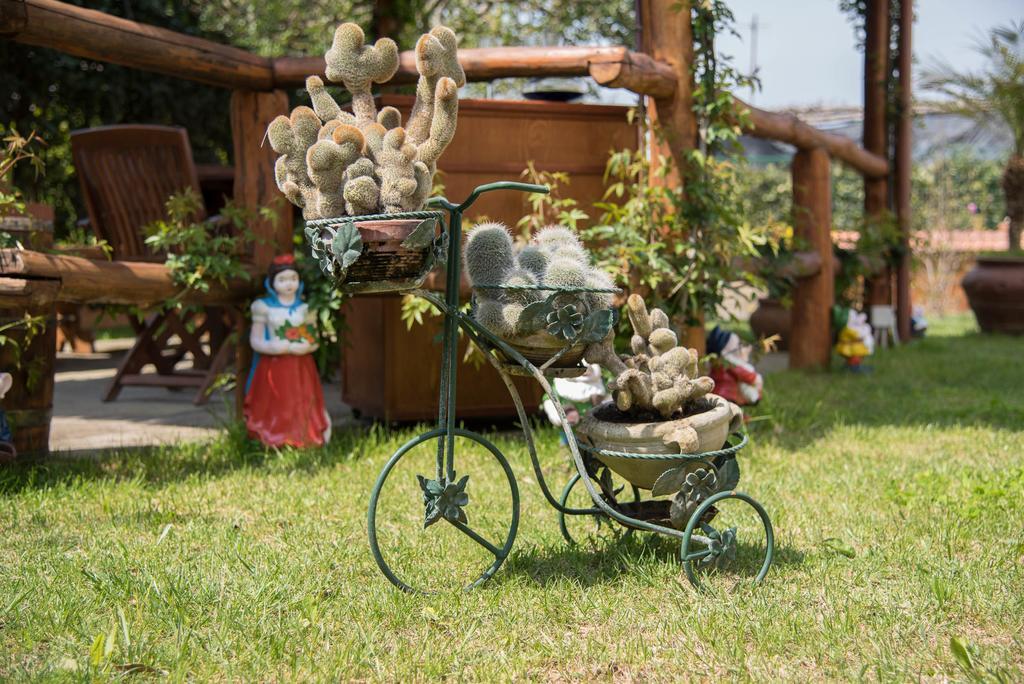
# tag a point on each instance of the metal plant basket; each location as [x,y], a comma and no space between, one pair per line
[556,330]
[380,252]
[702,484]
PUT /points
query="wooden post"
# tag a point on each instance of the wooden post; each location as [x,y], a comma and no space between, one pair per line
[255,186]
[29,403]
[666,35]
[876,139]
[904,125]
[811,339]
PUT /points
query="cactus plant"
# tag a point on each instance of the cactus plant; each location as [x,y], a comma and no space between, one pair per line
[556,259]
[659,376]
[335,163]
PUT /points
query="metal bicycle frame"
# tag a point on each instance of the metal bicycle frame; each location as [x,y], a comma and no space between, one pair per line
[446,430]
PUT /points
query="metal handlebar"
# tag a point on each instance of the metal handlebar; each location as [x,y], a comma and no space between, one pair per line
[487,187]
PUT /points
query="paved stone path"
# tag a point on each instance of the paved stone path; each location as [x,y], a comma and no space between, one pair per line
[145,416]
[141,416]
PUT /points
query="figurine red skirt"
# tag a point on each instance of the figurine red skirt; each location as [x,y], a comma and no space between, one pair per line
[285,402]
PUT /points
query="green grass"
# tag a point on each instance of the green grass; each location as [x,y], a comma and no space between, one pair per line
[896,498]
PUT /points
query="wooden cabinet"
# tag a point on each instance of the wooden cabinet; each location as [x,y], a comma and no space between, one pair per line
[391,373]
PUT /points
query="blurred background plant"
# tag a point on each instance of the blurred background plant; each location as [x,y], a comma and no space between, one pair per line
[53,94]
[553,208]
[991,95]
[17,150]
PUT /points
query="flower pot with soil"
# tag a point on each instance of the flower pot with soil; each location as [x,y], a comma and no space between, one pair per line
[664,427]
[770,318]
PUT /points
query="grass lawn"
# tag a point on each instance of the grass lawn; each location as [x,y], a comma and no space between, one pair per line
[897,498]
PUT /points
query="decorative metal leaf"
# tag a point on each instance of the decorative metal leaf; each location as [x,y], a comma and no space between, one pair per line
[534,317]
[729,475]
[312,234]
[441,249]
[347,245]
[564,322]
[443,499]
[669,481]
[327,265]
[597,326]
[422,235]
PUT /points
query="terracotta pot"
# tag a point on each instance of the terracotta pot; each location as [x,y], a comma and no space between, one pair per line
[995,291]
[383,258]
[705,431]
[772,318]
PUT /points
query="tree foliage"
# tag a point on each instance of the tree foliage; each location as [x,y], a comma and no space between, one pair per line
[53,94]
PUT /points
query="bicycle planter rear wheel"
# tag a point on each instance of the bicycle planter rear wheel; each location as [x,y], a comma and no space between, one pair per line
[719,546]
[446,501]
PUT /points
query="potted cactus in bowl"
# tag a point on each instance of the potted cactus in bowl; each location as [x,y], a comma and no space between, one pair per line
[361,178]
[545,299]
[661,404]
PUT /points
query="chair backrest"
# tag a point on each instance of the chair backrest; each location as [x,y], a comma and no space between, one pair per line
[127,173]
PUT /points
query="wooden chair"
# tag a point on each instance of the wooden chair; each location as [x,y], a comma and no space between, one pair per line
[127,172]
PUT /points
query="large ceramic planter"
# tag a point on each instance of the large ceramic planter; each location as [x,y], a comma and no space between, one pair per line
[995,291]
[772,318]
[706,431]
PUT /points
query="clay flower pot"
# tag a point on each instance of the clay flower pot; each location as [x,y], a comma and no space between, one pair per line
[772,318]
[384,257]
[995,290]
[706,431]
[542,345]
[377,255]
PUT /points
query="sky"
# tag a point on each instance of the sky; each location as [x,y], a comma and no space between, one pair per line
[807,52]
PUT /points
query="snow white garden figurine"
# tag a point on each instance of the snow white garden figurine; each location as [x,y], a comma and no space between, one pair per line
[284,402]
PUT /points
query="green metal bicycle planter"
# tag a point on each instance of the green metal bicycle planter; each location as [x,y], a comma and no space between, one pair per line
[445,495]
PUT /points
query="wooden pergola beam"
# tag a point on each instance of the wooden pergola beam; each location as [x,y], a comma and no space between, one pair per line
[480,64]
[790,129]
[82,281]
[95,35]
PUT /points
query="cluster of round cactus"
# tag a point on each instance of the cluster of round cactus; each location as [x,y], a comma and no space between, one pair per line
[507,279]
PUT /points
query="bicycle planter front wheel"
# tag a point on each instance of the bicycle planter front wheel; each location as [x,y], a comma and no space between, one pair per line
[439,506]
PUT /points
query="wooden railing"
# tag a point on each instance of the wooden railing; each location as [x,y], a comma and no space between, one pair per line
[661,71]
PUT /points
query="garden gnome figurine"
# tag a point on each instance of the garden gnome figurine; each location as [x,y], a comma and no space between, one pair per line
[855,340]
[7,450]
[577,395]
[284,402]
[735,377]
